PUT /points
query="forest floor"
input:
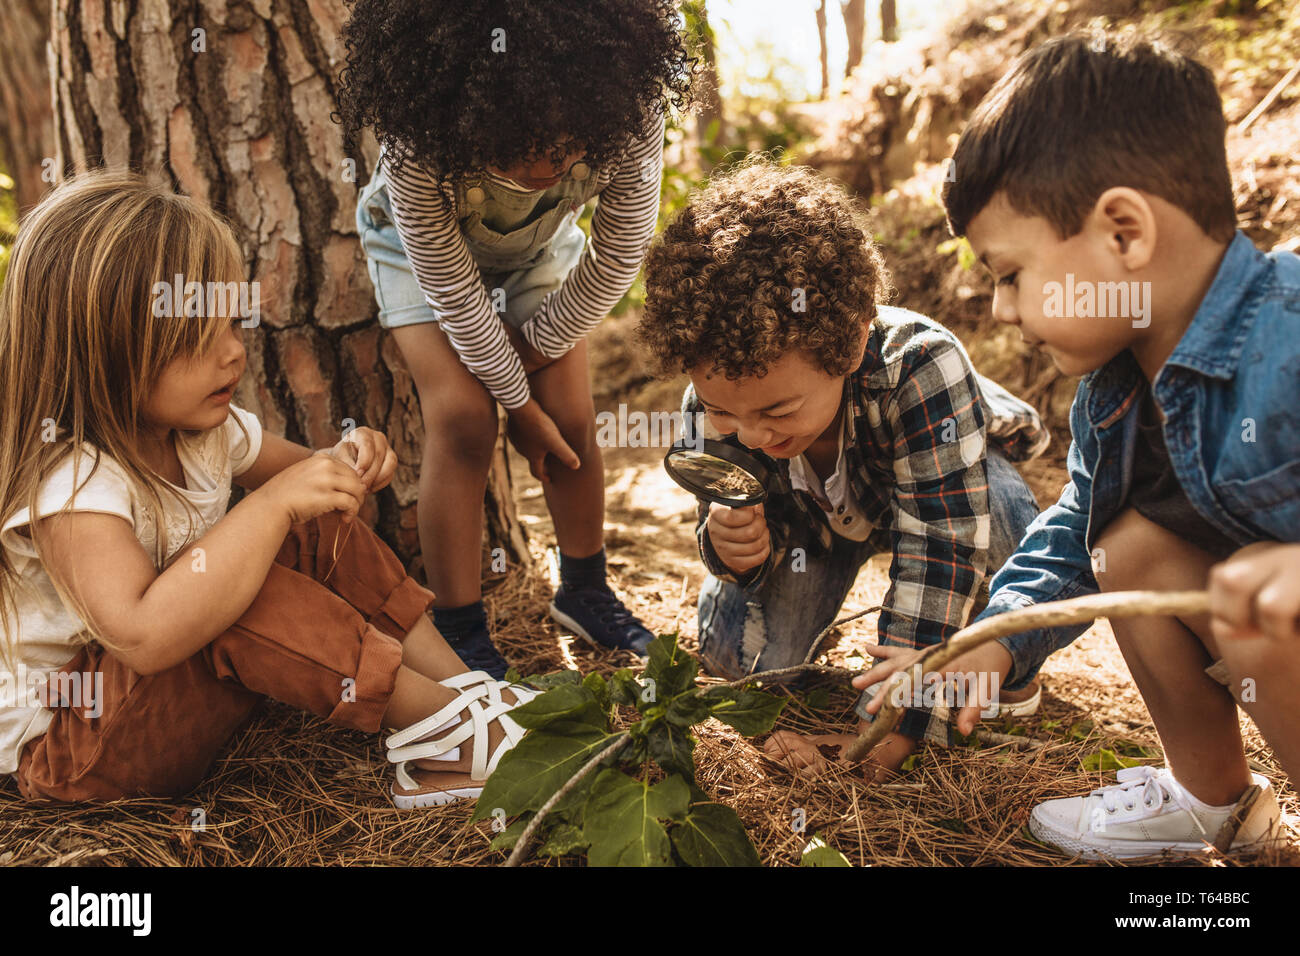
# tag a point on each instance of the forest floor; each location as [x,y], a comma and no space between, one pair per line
[292,790]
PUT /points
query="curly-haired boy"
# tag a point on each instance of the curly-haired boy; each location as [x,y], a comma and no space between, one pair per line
[765,291]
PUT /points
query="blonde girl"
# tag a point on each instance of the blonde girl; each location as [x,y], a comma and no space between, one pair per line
[144,621]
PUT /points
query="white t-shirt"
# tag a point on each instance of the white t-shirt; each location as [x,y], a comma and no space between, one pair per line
[835,497]
[49,632]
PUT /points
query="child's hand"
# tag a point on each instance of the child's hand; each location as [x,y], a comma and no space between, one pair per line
[529,357]
[991,659]
[314,486]
[1256,593]
[739,536]
[370,455]
[535,435]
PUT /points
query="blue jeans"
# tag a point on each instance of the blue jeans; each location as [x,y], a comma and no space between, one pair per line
[777,627]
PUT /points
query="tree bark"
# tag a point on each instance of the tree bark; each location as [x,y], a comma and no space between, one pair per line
[855,29]
[823,54]
[230,101]
[889,21]
[26,117]
[706,132]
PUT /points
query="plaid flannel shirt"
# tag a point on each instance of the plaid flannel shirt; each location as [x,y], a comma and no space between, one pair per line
[918,420]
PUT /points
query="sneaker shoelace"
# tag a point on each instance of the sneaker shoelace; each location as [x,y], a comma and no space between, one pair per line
[1153,787]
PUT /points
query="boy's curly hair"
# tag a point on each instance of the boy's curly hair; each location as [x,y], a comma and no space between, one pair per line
[460,85]
[721,281]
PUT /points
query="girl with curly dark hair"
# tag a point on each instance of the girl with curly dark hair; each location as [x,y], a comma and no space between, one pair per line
[498,121]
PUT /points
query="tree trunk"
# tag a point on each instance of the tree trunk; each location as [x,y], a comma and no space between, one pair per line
[710,121]
[230,100]
[823,54]
[855,28]
[26,118]
[889,21]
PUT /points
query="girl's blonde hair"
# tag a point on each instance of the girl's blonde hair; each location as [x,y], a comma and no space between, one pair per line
[81,347]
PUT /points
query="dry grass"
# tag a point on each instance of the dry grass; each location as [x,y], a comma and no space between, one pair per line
[292,790]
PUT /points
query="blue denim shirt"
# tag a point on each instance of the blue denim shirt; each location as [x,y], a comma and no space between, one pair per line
[1230,392]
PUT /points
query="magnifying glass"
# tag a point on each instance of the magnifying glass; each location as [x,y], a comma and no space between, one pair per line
[718,472]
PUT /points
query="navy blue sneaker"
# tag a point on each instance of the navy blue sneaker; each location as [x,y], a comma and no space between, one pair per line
[597,615]
[479,653]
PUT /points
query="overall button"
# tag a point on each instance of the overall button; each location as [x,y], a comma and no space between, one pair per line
[579,171]
[475,195]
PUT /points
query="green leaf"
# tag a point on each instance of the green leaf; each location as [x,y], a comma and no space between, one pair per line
[1081,730]
[687,710]
[563,840]
[553,679]
[751,712]
[506,839]
[538,766]
[671,747]
[571,702]
[621,819]
[624,688]
[1104,760]
[670,667]
[712,835]
[819,698]
[599,690]
[820,853]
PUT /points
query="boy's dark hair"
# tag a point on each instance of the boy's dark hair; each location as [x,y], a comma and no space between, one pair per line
[460,85]
[765,260]
[1083,113]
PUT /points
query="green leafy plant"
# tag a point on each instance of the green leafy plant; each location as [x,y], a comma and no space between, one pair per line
[820,853]
[623,797]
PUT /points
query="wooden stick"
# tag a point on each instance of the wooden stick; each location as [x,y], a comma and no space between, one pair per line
[1262,107]
[522,845]
[1228,832]
[1118,604]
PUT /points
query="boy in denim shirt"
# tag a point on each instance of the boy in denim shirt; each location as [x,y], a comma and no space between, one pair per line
[1093,183]
[880,435]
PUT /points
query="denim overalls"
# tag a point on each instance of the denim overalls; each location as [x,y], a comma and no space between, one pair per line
[524,243]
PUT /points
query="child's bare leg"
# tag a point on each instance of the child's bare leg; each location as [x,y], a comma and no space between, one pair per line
[417,696]
[460,432]
[1194,715]
[1271,672]
[576,498]
[425,652]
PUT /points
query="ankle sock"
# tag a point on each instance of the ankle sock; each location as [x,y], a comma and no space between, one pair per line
[583,572]
[457,623]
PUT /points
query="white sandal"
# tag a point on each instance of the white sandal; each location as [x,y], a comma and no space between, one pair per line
[417,742]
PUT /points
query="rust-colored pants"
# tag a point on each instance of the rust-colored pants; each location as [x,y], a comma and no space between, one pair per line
[327,641]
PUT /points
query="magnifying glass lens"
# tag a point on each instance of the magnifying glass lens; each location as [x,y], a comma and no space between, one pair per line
[715,476]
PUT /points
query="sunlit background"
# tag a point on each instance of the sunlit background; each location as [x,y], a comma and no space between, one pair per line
[761,41]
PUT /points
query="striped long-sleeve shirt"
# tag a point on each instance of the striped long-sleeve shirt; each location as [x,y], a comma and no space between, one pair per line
[621,228]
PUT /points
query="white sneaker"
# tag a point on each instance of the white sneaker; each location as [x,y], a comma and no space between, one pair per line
[1145,813]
